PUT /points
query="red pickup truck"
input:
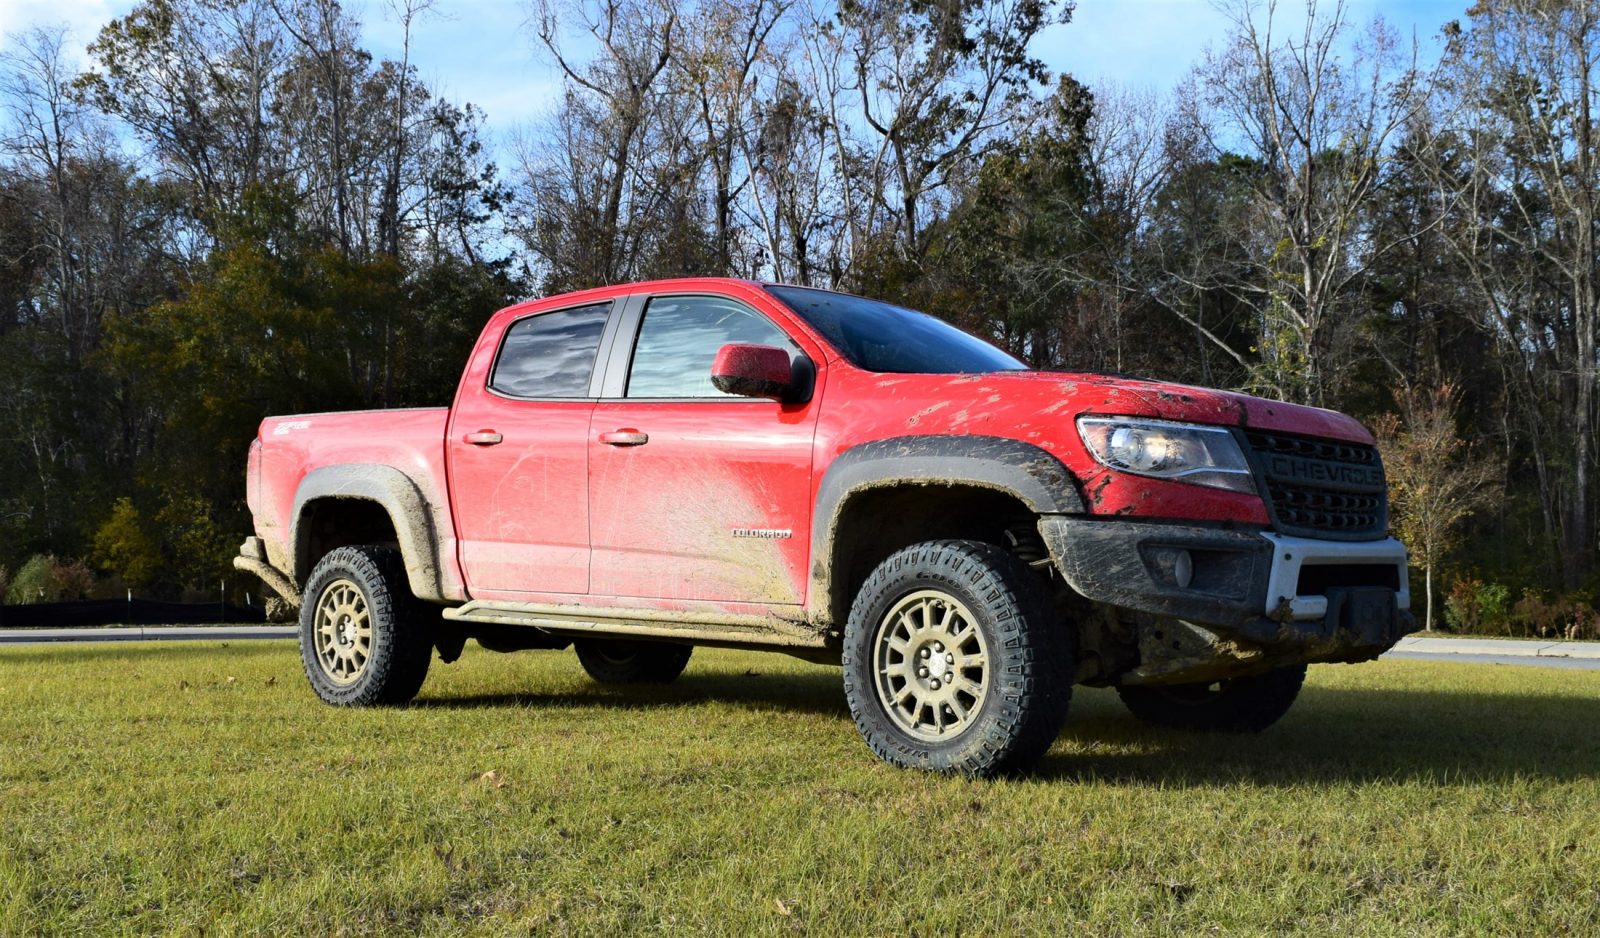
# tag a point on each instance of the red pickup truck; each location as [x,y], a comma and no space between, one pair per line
[640,469]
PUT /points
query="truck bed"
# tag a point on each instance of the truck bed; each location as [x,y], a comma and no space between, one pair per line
[290,448]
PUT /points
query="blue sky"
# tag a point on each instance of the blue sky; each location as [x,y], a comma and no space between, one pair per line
[478,50]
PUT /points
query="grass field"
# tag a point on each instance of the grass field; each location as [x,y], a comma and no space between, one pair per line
[201,788]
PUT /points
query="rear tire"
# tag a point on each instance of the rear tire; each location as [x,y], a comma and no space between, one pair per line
[364,639]
[954,663]
[619,661]
[1237,705]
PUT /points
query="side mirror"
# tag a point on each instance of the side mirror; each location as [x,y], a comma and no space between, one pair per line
[757,371]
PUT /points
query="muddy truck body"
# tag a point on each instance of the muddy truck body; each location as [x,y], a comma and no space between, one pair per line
[641,469]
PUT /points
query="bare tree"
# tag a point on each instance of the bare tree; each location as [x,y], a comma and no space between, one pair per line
[592,183]
[933,83]
[198,86]
[793,198]
[407,12]
[1320,115]
[48,129]
[728,66]
[1518,166]
[1126,161]
[327,112]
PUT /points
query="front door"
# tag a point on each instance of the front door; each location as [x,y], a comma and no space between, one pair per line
[519,458]
[695,494]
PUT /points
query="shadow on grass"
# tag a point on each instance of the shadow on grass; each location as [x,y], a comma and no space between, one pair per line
[1332,734]
[820,693]
[1346,734]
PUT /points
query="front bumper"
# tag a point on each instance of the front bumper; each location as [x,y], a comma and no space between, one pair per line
[1310,599]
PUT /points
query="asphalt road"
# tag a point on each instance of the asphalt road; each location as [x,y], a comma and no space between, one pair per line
[1582,655]
[1536,653]
[171,633]
[1582,664]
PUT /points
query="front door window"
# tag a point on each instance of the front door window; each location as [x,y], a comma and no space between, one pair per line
[679,340]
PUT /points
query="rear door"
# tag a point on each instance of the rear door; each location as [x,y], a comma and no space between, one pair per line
[695,494]
[518,448]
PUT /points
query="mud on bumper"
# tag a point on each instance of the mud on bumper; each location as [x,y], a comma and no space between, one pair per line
[1290,597]
[253,559]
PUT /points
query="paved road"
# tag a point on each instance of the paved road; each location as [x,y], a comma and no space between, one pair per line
[1582,664]
[1542,654]
[1413,648]
[1511,647]
[1504,651]
[171,633]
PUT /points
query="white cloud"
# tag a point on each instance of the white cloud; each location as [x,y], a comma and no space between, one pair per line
[82,18]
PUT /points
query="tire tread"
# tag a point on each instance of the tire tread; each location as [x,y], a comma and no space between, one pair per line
[396,671]
[1031,654]
[1243,705]
[651,663]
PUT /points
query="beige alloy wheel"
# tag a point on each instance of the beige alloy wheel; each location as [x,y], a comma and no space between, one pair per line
[931,665]
[343,632]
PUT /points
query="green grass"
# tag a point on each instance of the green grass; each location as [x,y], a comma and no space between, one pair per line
[200,788]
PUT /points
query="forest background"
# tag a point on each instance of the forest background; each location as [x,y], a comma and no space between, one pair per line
[230,208]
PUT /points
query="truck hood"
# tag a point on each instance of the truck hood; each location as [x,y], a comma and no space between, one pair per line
[1116,396]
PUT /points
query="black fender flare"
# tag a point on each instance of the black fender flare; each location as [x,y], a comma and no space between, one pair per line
[409,510]
[1027,472]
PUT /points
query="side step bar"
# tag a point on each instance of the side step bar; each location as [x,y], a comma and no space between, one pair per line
[722,630]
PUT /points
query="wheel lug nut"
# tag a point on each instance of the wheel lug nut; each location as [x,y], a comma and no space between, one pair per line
[949,659]
[922,672]
[938,646]
[935,683]
[948,677]
[923,653]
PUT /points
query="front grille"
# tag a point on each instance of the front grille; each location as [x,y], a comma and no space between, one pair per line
[1320,488]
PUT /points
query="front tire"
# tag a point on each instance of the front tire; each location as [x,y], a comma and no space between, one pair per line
[364,639]
[953,662]
[1237,705]
[619,661]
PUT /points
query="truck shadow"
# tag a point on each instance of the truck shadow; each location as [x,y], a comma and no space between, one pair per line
[1345,735]
[752,689]
[1332,734]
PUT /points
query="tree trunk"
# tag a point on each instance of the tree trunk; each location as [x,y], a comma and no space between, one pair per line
[1582,542]
[1427,623]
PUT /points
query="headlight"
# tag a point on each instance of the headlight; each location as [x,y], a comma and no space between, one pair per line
[1182,452]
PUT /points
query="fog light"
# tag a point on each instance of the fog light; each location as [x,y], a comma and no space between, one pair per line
[1183,569]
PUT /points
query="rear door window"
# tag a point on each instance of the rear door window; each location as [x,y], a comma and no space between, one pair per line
[550,355]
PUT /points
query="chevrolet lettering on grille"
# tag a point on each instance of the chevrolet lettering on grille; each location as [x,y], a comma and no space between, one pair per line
[1300,469]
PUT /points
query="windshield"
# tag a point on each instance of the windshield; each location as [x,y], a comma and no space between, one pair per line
[884,338]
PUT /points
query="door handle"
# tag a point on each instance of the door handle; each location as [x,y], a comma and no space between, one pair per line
[625,437]
[483,438]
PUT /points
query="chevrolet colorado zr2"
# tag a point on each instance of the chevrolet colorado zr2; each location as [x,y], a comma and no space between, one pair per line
[641,469]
